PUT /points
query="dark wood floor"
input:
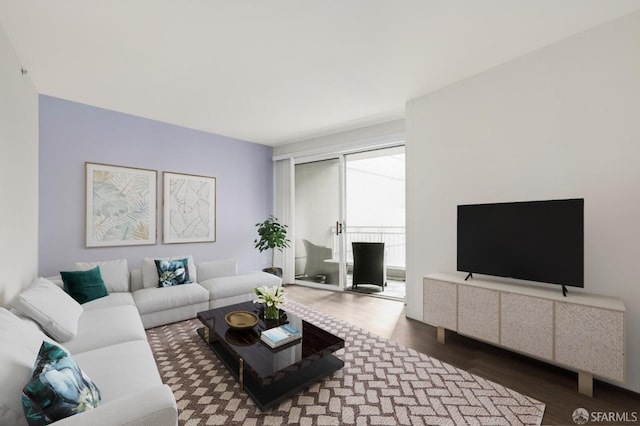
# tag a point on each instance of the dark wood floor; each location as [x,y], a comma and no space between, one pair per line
[554,386]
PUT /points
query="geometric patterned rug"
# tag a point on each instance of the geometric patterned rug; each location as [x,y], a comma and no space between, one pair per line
[381,383]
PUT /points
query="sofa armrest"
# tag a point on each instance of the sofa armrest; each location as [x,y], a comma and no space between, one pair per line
[155,406]
[216,269]
[56,279]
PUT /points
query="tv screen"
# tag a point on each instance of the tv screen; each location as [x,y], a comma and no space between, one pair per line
[536,240]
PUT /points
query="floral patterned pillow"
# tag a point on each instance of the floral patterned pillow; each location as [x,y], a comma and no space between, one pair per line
[173,272]
[57,388]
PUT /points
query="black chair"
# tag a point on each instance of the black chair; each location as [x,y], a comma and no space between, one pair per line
[368,264]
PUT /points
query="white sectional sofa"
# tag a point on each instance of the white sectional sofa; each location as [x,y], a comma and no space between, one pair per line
[215,283]
[110,344]
[111,349]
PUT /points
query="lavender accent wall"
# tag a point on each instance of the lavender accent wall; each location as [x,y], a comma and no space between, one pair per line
[72,133]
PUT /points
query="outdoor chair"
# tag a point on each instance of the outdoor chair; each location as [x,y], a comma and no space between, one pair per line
[368,264]
[318,266]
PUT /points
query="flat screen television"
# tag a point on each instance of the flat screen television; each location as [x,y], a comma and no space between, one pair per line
[539,241]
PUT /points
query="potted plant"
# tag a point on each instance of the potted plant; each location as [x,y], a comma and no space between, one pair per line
[272,235]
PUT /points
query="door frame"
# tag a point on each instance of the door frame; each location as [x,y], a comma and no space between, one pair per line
[284,197]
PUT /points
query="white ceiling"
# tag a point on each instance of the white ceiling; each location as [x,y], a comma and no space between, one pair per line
[277,71]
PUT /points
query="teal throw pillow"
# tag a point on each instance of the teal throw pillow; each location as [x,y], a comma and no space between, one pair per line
[173,272]
[84,286]
[57,388]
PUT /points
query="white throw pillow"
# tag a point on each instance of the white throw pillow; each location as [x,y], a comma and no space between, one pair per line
[52,308]
[115,273]
[150,276]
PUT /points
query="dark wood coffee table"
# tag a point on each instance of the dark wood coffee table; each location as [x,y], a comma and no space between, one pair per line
[270,375]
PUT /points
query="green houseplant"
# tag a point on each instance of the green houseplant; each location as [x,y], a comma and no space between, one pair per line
[272,236]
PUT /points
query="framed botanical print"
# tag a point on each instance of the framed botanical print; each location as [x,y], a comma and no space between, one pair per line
[189,208]
[120,205]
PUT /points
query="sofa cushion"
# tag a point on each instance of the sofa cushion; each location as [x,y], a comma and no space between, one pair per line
[115,273]
[16,363]
[150,276]
[172,272]
[113,299]
[84,286]
[121,369]
[159,299]
[216,268]
[47,304]
[58,388]
[20,330]
[19,345]
[168,316]
[224,287]
[98,328]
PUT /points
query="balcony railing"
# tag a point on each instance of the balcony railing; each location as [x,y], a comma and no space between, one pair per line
[393,238]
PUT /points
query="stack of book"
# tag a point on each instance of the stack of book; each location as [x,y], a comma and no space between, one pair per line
[278,336]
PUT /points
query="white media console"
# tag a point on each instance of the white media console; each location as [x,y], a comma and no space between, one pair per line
[584,332]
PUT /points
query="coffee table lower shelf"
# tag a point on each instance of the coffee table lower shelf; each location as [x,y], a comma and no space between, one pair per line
[273,394]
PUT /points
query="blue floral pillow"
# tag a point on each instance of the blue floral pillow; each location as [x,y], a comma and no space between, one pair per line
[173,272]
[57,389]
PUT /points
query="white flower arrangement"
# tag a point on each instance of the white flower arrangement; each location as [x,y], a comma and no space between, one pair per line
[270,296]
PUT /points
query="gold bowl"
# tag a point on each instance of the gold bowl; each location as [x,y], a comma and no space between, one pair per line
[241,320]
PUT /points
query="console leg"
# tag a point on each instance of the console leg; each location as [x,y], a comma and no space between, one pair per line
[241,374]
[585,383]
[440,334]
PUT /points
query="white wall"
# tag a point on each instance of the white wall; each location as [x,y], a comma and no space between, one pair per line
[18,175]
[558,123]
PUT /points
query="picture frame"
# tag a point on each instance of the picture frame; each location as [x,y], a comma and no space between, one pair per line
[121,205]
[189,208]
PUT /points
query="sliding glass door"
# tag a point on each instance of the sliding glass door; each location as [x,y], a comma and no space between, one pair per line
[375,213]
[319,246]
[367,189]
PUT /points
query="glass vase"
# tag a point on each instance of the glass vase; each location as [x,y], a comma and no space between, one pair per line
[271,312]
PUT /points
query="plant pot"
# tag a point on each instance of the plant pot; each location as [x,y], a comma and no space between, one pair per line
[274,271]
[280,319]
